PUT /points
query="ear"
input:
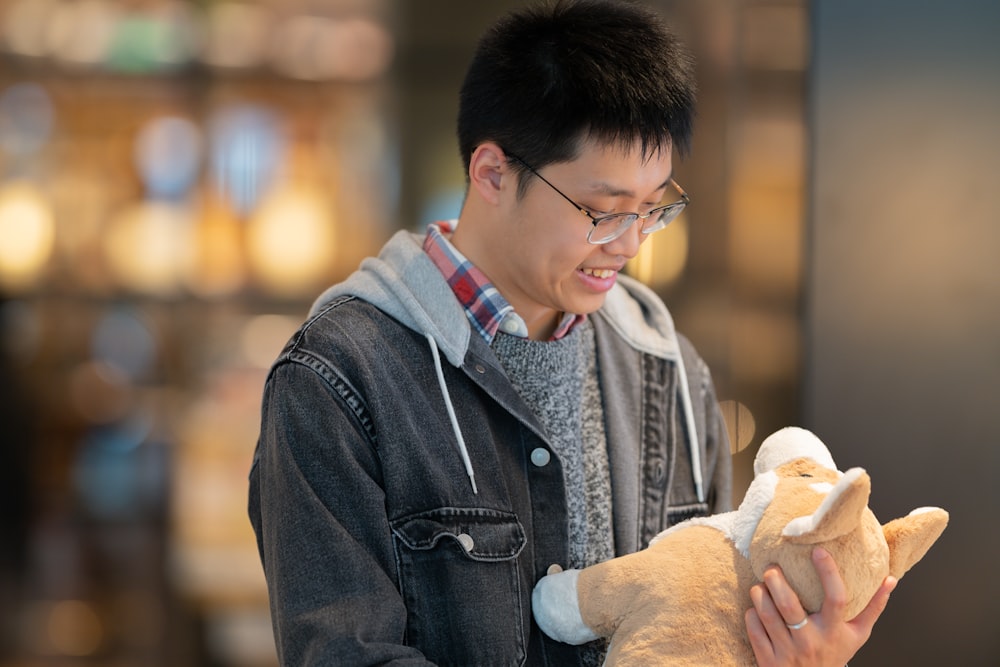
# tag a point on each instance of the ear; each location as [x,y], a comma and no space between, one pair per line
[910,537]
[487,168]
[838,514]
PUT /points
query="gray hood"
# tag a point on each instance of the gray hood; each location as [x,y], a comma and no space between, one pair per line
[404,283]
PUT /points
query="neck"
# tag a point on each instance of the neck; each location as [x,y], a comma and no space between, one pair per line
[542,327]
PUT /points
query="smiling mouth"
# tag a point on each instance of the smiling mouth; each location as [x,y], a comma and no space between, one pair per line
[600,273]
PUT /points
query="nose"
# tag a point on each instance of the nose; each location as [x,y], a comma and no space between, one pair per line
[627,245]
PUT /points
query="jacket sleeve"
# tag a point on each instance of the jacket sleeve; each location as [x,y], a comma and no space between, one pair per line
[317,508]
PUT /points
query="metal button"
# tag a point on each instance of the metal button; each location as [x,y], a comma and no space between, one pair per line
[540,457]
[466,541]
[480,369]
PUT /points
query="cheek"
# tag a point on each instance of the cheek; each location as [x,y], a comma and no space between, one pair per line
[549,242]
[554,251]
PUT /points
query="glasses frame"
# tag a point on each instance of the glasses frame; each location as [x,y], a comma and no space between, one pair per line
[628,219]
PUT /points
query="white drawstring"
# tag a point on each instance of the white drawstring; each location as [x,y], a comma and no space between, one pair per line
[699,485]
[451,413]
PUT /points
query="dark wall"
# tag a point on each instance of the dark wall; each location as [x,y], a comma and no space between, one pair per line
[903,296]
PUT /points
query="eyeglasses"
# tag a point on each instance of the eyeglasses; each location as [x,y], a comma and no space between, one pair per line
[606,228]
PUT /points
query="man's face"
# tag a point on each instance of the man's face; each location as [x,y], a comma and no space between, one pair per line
[543,264]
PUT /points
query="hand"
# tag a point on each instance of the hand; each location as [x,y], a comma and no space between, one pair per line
[826,638]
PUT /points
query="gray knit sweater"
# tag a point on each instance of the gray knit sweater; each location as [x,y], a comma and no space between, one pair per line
[558,380]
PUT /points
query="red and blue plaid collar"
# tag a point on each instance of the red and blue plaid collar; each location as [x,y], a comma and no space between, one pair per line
[486,308]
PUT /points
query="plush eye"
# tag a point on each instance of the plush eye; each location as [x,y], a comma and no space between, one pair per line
[805,474]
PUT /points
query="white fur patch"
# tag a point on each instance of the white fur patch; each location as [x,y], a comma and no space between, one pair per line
[758,496]
[721,522]
[799,526]
[788,444]
[556,607]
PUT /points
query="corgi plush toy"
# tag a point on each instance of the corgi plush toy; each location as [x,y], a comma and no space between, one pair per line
[681,601]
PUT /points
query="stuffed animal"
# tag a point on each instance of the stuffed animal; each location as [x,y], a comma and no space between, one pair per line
[681,601]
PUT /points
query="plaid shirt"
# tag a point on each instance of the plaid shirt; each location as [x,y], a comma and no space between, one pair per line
[486,308]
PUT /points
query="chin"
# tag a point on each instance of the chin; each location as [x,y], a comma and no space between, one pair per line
[586,306]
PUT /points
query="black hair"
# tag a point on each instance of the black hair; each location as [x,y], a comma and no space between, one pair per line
[545,78]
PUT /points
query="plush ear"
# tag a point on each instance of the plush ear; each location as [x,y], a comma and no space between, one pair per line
[838,514]
[911,536]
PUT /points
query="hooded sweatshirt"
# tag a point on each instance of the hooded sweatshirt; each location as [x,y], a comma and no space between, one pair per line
[406,499]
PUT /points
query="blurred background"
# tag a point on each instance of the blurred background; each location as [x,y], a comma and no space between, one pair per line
[179,179]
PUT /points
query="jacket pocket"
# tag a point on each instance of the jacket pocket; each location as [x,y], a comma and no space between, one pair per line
[459,578]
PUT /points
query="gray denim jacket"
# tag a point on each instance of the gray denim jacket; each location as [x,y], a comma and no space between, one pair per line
[406,500]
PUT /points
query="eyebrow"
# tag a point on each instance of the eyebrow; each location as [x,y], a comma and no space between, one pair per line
[606,189]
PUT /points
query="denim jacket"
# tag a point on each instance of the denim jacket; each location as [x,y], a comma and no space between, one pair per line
[406,500]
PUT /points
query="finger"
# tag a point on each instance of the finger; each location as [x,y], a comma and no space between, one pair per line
[783,597]
[764,605]
[760,642]
[834,590]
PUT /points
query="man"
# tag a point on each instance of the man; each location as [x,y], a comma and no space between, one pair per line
[494,398]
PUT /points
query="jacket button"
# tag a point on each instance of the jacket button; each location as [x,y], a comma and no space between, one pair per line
[540,457]
[466,541]
[480,369]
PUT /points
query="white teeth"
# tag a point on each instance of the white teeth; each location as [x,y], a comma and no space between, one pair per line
[600,273]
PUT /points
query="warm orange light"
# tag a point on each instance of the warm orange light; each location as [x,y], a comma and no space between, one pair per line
[215,263]
[73,628]
[662,256]
[290,241]
[27,234]
[146,245]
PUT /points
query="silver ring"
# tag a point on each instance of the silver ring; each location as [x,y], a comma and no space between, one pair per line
[798,626]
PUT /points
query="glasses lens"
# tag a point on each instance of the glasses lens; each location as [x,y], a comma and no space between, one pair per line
[610,227]
[660,219]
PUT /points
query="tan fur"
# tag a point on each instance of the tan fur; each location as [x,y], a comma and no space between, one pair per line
[640,615]
[681,601]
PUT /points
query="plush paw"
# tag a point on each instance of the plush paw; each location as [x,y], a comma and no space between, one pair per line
[557,609]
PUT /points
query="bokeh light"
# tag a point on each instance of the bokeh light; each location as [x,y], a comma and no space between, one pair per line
[322,48]
[246,148]
[152,39]
[27,118]
[662,257]
[73,628]
[27,229]
[80,33]
[740,424]
[118,472]
[290,240]
[124,341]
[25,27]
[235,34]
[146,247]
[215,265]
[168,153]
